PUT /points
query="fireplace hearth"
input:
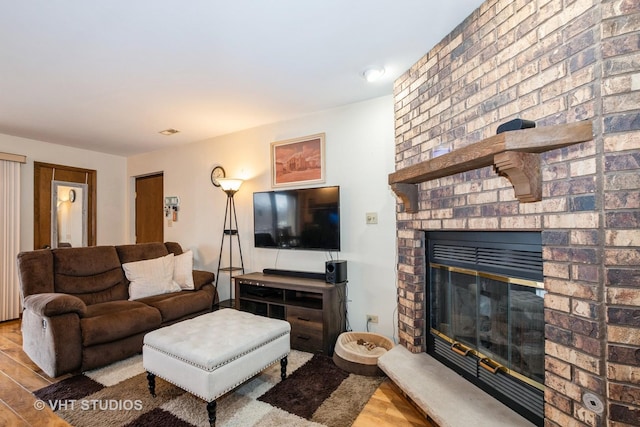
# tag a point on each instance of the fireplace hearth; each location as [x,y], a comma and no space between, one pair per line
[485,313]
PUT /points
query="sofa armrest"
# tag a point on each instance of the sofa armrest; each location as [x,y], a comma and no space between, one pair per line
[201,278]
[53,304]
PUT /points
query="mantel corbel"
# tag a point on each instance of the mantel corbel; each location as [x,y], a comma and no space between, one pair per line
[513,154]
[523,171]
[408,193]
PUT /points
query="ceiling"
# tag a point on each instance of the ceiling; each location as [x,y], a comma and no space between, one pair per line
[108,75]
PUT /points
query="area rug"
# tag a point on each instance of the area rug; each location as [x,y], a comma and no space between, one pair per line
[315,393]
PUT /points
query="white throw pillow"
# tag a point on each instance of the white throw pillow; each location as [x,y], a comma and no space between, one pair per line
[151,277]
[183,270]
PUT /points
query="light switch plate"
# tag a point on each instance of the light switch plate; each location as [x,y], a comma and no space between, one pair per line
[372,217]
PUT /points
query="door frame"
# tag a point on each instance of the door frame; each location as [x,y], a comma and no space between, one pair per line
[42,200]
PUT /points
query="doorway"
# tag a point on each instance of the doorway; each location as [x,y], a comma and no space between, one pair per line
[68,214]
[149,208]
[43,176]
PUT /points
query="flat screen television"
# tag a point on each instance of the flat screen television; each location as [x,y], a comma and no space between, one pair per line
[305,218]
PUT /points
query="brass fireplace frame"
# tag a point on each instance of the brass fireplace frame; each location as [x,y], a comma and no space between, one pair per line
[487,362]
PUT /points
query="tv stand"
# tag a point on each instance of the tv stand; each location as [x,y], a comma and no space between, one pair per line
[315,309]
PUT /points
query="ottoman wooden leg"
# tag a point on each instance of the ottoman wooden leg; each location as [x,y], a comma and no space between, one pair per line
[283,368]
[151,380]
[211,411]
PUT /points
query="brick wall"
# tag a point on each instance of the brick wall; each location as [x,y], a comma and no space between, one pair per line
[621,156]
[551,61]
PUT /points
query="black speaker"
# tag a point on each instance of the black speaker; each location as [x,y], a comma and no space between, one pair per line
[294,273]
[336,271]
[516,124]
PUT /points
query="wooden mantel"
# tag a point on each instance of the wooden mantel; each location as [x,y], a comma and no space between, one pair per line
[514,154]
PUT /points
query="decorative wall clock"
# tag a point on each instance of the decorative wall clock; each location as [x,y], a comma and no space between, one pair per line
[217,172]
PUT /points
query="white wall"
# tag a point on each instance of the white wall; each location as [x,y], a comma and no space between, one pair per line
[111,185]
[359,156]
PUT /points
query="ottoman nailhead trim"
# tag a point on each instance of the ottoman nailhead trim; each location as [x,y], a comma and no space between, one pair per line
[213,368]
[206,399]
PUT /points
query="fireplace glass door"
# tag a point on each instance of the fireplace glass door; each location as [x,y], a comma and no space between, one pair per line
[485,312]
[499,319]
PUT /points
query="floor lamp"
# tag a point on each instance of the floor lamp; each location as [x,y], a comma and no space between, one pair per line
[231,187]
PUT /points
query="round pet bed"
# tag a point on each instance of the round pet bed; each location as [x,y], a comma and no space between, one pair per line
[358,352]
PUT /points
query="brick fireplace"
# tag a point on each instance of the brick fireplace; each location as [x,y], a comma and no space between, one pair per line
[556,62]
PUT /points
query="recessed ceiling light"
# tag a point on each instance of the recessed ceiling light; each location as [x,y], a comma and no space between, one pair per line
[372,74]
[169,132]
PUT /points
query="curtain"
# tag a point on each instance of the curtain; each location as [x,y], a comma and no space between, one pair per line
[9,239]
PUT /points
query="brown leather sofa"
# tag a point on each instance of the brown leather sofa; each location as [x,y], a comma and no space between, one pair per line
[77,315]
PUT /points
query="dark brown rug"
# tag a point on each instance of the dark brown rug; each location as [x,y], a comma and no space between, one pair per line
[315,393]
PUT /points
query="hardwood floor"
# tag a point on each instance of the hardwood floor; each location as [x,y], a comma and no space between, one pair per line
[389,408]
[19,376]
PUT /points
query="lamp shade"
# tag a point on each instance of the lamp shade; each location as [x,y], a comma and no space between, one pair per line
[230,185]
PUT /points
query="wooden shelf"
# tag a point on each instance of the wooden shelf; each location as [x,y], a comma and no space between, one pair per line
[230,269]
[514,154]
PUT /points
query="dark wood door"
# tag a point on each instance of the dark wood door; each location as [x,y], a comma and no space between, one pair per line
[149,209]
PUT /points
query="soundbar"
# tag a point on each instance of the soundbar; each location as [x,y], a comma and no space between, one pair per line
[294,273]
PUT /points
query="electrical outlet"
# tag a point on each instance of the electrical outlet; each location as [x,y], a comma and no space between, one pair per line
[372,217]
[372,318]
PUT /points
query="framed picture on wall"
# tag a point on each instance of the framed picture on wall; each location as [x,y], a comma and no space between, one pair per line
[298,161]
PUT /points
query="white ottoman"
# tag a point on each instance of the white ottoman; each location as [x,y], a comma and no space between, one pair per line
[211,354]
